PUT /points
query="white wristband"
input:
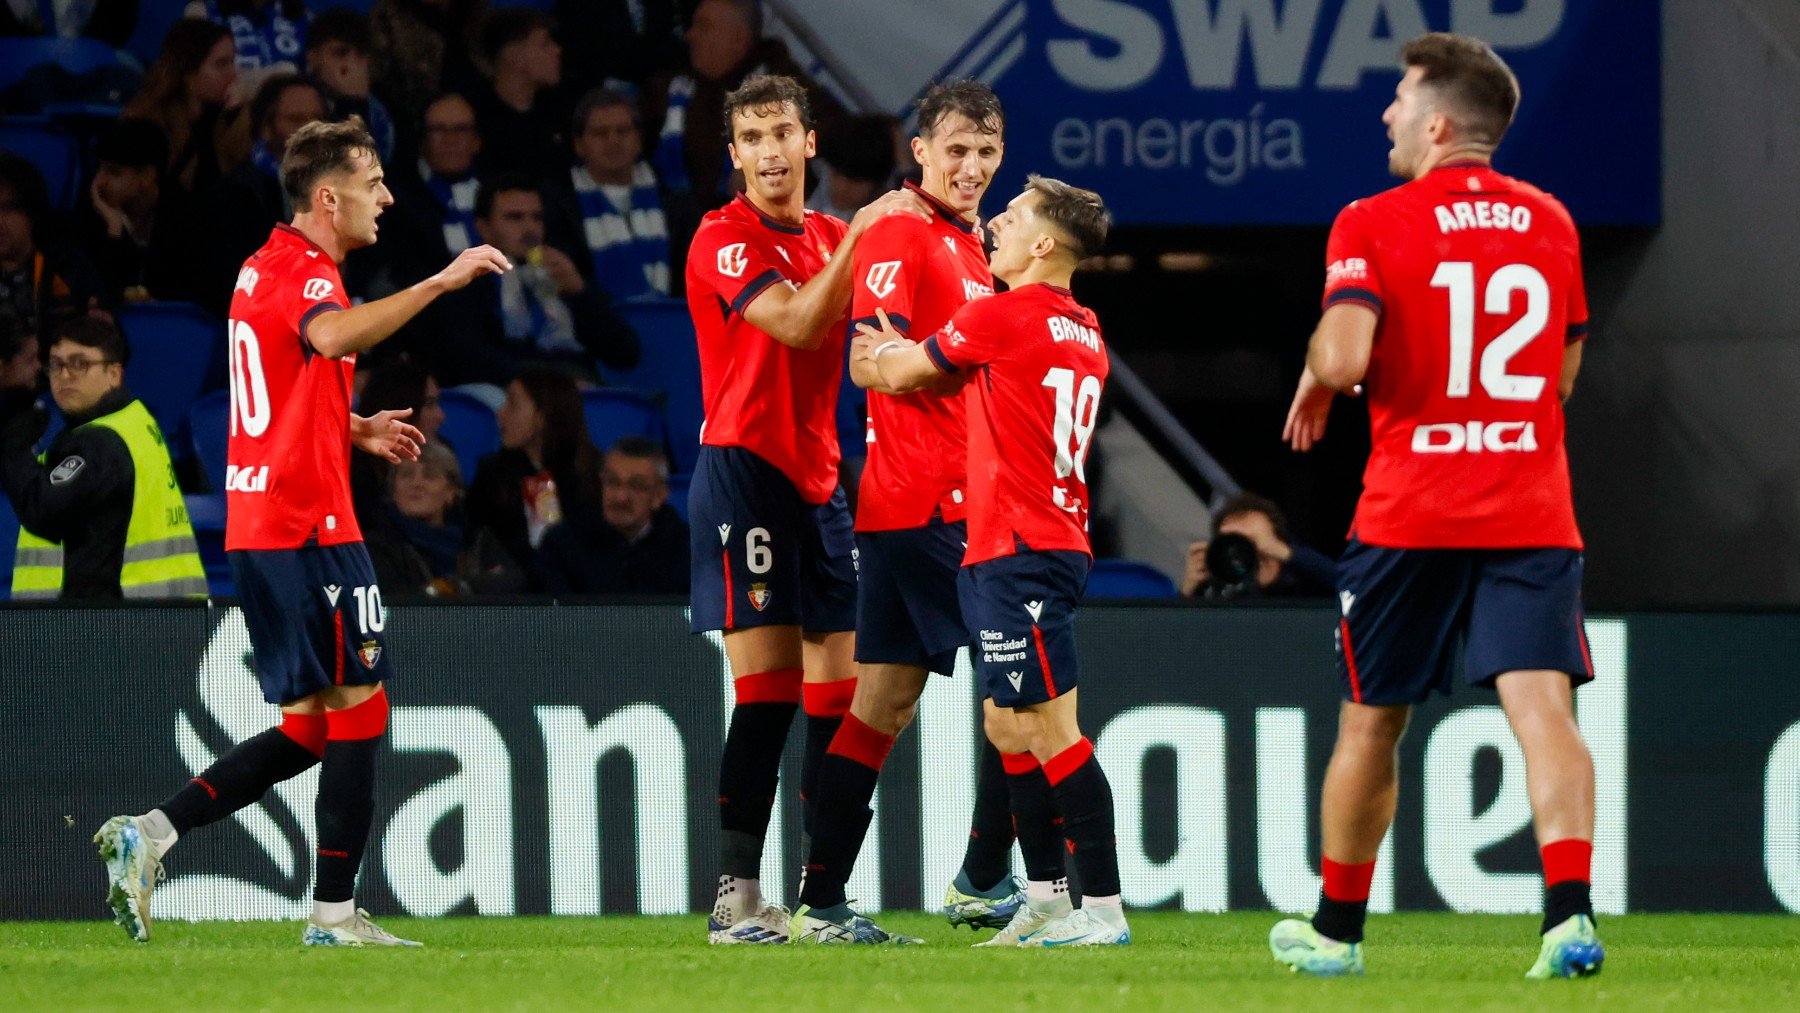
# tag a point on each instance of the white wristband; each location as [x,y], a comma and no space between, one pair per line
[885,346]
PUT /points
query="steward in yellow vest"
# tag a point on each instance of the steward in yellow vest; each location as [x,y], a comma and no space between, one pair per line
[100,513]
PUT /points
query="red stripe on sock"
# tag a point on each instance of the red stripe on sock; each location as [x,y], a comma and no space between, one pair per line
[1068,761]
[337,625]
[366,720]
[725,561]
[328,853]
[1347,882]
[210,790]
[858,742]
[1350,661]
[1567,860]
[1044,660]
[1018,763]
[307,730]
[828,699]
[779,686]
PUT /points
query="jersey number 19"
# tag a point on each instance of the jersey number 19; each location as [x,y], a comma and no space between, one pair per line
[1075,408]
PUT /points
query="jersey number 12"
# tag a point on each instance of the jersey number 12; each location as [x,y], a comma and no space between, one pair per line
[1458,276]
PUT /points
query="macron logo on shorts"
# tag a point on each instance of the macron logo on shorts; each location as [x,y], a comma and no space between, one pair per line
[1036,608]
[1017,679]
[1346,599]
[732,261]
[724,534]
[332,591]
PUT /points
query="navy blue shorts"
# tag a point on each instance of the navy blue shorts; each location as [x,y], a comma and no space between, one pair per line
[761,555]
[1406,611]
[1021,609]
[315,618]
[907,611]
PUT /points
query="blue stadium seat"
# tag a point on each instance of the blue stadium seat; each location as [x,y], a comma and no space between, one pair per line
[50,147]
[470,428]
[678,492]
[206,512]
[670,363]
[9,540]
[177,353]
[1125,578]
[613,412]
[19,54]
[209,428]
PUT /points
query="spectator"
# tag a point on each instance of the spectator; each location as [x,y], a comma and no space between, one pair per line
[20,366]
[110,21]
[42,282]
[855,166]
[632,543]
[397,386]
[725,45]
[192,93]
[269,36]
[100,513]
[129,226]
[420,549]
[522,117]
[337,56]
[617,40]
[249,201]
[421,51]
[612,205]
[433,216]
[1256,556]
[542,311]
[546,459]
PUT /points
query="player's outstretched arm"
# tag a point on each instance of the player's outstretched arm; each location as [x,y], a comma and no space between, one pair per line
[900,366]
[1339,354]
[1307,416]
[346,332]
[798,317]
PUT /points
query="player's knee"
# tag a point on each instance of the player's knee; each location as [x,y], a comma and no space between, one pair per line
[1363,728]
[1004,731]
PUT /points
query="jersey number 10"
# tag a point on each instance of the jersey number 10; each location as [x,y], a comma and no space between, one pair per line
[249,387]
[1458,276]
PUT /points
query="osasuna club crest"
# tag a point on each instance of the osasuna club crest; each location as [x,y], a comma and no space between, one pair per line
[759,596]
[369,653]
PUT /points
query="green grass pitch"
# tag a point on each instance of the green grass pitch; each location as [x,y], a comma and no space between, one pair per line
[1439,962]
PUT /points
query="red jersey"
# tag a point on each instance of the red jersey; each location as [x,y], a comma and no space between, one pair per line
[920,273]
[1032,407]
[287,470]
[1477,279]
[777,402]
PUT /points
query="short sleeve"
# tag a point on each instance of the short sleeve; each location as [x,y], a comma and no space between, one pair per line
[1350,274]
[317,289]
[1577,310]
[725,260]
[888,261]
[974,336]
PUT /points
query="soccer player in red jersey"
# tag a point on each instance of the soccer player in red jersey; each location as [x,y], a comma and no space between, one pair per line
[1034,366]
[910,540]
[1456,301]
[309,596]
[768,284]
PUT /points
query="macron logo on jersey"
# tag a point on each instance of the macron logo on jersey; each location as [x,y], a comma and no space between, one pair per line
[316,289]
[882,278]
[732,261]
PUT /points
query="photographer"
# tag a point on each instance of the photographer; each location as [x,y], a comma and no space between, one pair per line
[1251,556]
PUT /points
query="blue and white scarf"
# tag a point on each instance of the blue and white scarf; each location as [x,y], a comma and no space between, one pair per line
[671,153]
[457,198]
[630,244]
[276,40]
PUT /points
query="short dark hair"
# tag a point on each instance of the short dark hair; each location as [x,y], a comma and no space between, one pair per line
[319,149]
[1477,83]
[642,448]
[767,92]
[597,99]
[268,97]
[339,24]
[1079,214]
[132,143]
[92,332]
[1250,503]
[508,25]
[499,183]
[967,97]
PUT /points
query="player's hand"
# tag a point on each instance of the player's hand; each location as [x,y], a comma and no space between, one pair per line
[1196,575]
[870,338]
[1306,417]
[385,436]
[113,218]
[894,202]
[560,268]
[470,264]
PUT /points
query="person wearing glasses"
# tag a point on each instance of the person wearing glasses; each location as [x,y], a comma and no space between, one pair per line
[100,513]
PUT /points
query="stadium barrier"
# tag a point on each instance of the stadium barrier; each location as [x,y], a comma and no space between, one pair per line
[562,759]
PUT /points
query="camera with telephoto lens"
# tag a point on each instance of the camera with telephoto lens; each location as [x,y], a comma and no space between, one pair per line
[1231,565]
